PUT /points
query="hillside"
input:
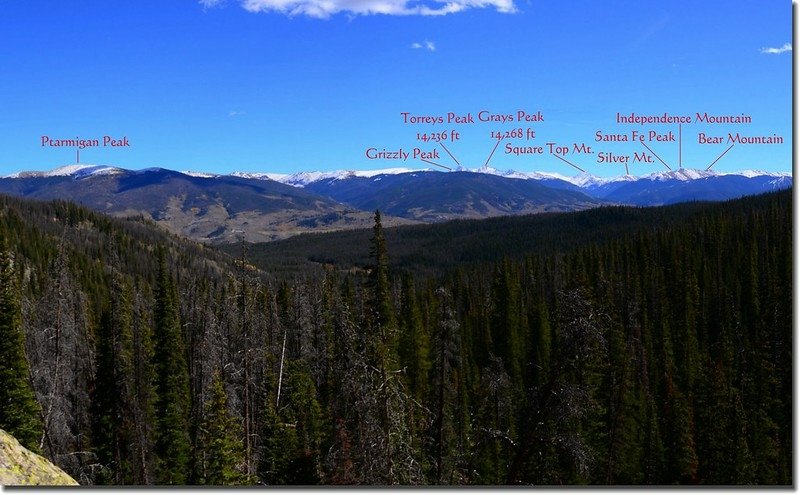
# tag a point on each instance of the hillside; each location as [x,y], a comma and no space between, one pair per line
[202,208]
[77,272]
[434,249]
[689,185]
[37,231]
[220,209]
[438,196]
[654,189]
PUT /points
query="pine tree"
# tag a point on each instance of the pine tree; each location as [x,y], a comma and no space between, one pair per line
[447,361]
[278,442]
[654,460]
[223,451]
[414,352]
[143,412]
[542,343]
[172,384]
[305,415]
[19,411]
[382,432]
[414,346]
[113,402]
[379,347]
[382,312]
[506,321]
[681,458]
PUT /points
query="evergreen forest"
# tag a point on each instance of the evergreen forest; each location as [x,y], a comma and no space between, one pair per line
[617,346]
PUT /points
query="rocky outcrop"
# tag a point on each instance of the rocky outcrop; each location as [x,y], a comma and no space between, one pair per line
[20,466]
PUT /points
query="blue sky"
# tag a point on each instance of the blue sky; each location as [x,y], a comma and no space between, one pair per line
[295,85]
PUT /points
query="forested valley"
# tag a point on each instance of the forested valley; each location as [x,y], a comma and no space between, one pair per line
[653,350]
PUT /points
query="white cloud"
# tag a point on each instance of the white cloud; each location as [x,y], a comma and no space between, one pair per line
[428,45]
[235,113]
[325,8]
[207,4]
[787,47]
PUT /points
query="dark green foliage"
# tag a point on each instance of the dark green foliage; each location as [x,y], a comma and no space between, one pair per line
[303,414]
[445,388]
[430,250]
[114,398]
[19,411]
[506,321]
[380,311]
[279,441]
[222,448]
[292,433]
[172,383]
[414,346]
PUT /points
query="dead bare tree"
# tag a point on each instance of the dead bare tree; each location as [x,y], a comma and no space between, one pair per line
[62,364]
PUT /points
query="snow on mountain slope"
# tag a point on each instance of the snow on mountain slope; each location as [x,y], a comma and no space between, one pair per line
[261,176]
[75,170]
[582,180]
[682,174]
[301,179]
[757,173]
[202,175]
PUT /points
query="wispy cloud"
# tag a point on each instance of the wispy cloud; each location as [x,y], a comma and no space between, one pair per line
[207,4]
[427,45]
[787,47]
[323,9]
[235,113]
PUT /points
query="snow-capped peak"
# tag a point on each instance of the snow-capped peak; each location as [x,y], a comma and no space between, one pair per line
[757,173]
[682,174]
[74,170]
[686,174]
[586,180]
[70,170]
[583,180]
[511,174]
[260,175]
[301,179]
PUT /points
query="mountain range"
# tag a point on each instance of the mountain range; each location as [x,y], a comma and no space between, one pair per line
[215,209]
[266,206]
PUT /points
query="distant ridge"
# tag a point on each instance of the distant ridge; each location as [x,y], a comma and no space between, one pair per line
[221,208]
[301,179]
[206,208]
[580,180]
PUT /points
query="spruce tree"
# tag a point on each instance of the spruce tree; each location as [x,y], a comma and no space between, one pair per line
[305,414]
[383,312]
[143,413]
[19,411]
[414,348]
[113,429]
[542,343]
[447,361]
[385,435]
[506,320]
[414,344]
[224,453]
[172,384]
[278,443]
